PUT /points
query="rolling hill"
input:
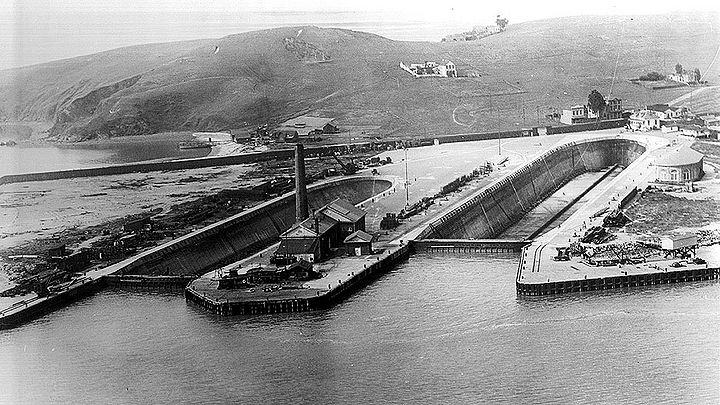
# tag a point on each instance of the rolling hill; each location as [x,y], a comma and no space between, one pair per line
[268,76]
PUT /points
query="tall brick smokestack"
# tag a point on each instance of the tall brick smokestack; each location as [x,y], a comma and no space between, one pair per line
[301,201]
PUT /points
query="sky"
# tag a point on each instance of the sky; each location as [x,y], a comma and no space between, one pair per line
[35,31]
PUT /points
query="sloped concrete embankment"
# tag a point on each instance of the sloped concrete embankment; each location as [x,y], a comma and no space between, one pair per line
[490,211]
[233,238]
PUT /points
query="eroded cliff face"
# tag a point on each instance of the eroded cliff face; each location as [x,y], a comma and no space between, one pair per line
[76,119]
[237,81]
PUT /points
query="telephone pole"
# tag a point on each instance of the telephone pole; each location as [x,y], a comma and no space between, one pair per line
[407,182]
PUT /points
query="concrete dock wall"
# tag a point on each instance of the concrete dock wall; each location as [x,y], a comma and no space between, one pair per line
[488,213]
[153,283]
[36,307]
[609,283]
[361,277]
[467,245]
[233,238]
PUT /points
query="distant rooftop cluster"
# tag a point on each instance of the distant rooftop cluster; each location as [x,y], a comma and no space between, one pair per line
[580,114]
[675,119]
[479,31]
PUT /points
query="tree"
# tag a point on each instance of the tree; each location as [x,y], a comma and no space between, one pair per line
[501,22]
[596,103]
[678,69]
[697,74]
[651,77]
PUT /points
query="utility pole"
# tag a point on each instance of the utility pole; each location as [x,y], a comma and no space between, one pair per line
[407,182]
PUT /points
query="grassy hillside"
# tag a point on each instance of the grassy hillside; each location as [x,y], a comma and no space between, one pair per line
[267,76]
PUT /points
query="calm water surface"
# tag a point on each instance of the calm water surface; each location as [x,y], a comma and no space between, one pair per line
[435,330]
[38,158]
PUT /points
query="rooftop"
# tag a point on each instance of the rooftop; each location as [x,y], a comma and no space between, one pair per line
[342,211]
[680,157]
[297,246]
[645,115]
[359,236]
[323,224]
[658,107]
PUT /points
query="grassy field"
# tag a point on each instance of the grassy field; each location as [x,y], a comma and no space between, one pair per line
[657,213]
[710,149]
[520,76]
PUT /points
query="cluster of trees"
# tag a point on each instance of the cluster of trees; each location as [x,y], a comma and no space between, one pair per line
[501,22]
[651,77]
[696,72]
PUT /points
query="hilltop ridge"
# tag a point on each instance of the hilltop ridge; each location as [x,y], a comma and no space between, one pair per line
[271,75]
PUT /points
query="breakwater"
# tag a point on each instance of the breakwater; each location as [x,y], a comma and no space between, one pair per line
[180,164]
[325,150]
[491,210]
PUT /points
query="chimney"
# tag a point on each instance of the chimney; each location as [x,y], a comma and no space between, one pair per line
[301,202]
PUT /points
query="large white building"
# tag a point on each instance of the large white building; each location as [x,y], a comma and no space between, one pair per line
[430,69]
[680,166]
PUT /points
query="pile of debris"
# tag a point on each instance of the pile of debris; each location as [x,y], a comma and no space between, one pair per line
[616,219]
[597,235]
[416,208]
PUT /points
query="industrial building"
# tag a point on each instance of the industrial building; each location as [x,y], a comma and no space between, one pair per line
[314,239]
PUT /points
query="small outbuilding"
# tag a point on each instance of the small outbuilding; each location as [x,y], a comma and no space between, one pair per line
[301,270]
[139,224]
[359,243]
[681,166]
[674,242]
[57,251]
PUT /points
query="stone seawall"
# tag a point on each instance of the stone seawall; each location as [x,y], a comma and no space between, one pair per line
[490,211]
